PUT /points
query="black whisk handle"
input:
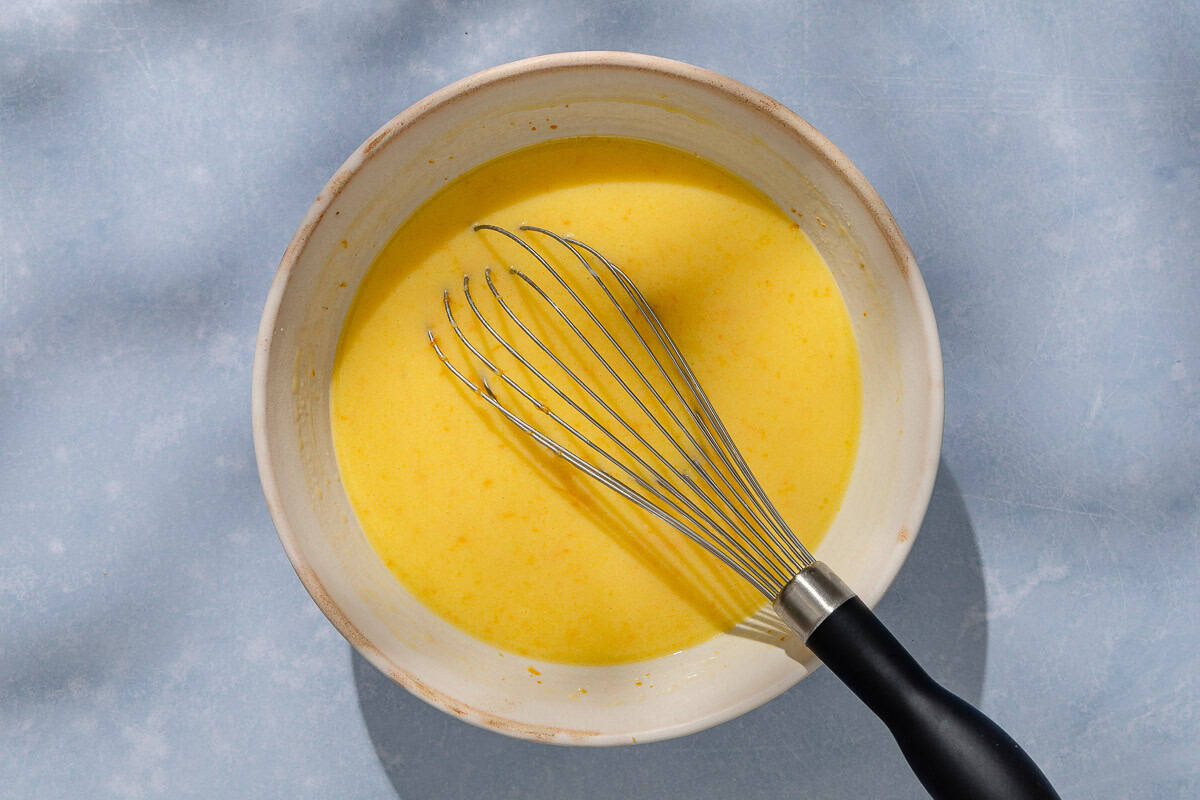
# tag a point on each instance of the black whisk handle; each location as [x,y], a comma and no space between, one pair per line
[955,751]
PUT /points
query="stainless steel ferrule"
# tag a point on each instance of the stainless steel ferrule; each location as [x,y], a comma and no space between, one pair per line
[810,597]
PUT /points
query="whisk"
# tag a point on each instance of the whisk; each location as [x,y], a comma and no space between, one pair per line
[665,449]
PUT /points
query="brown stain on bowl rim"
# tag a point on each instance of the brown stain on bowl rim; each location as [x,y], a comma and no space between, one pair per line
[477,716]
[379,138]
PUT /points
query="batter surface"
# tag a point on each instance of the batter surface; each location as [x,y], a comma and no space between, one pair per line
[507,541]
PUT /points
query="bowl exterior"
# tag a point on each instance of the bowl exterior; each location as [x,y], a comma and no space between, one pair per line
[402,164]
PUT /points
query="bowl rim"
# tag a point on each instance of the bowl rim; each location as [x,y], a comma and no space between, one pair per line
[821,146]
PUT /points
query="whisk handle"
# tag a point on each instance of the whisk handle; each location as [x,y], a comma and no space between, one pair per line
[955,751]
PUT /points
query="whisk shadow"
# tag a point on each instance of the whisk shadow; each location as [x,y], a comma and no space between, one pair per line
[815,736]
[764,626]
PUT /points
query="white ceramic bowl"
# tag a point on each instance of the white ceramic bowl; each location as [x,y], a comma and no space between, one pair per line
[390,175]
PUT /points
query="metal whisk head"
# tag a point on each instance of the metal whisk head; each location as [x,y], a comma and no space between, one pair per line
[629,412]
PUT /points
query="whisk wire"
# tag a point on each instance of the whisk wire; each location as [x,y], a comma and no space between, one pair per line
[696,418]
[748,528]
[774,552]
[604,330]
[727,512]
[768,517]
[568,371]
[736,552]
[755,490]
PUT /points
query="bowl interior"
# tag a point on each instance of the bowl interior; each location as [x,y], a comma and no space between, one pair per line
[476,120]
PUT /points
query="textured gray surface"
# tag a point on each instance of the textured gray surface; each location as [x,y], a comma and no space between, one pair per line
[1044,162]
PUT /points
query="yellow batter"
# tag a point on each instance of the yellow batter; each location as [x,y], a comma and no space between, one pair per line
[505,540]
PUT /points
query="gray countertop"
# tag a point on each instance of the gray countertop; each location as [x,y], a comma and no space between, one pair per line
[155,158]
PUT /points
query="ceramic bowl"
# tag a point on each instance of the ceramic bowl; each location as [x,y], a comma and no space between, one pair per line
[478,119]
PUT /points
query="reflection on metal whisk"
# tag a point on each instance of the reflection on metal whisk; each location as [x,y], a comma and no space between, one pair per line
[691,476]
